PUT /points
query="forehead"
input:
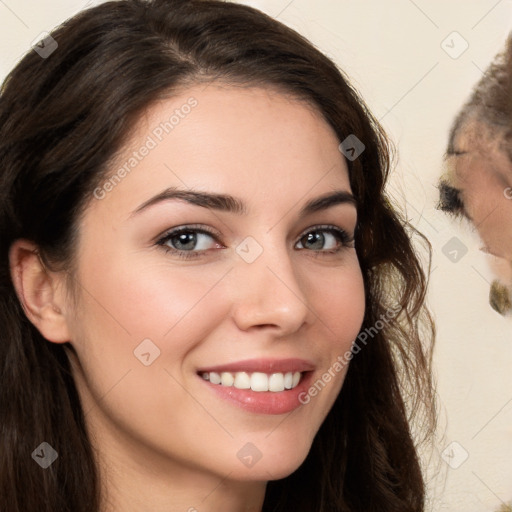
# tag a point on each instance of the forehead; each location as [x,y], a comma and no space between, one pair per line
[250,142]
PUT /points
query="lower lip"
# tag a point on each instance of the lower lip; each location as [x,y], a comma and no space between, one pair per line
[263,402]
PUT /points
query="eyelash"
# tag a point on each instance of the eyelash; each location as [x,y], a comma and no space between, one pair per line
[346,240]
[452,203]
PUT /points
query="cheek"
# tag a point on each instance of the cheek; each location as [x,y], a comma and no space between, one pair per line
[338,298]
[129,310]
[492,216]
[133,303]
[134,300]
[487,203]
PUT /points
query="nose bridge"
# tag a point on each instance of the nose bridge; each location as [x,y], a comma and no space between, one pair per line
[269,292]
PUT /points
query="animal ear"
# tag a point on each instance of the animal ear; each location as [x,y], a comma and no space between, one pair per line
[41,292]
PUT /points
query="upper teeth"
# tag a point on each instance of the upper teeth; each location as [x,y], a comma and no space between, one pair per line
[256,381]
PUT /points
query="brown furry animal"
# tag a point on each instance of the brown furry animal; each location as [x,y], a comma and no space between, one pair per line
[477,183]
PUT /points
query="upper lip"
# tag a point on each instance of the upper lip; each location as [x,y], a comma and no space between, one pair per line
[263,366]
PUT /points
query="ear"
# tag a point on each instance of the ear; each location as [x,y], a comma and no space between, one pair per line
[41,292]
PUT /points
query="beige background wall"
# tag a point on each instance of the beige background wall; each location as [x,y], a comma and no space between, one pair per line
[414,83]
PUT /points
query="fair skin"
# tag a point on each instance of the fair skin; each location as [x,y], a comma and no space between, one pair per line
[166,439]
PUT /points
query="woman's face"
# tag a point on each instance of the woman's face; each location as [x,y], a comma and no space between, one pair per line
[257,288]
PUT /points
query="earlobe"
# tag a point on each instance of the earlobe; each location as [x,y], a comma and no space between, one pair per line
[40,291]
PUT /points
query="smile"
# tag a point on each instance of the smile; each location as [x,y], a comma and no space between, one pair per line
[262,386]
[256,381]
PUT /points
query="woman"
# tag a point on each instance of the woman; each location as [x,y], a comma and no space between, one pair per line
[208,302]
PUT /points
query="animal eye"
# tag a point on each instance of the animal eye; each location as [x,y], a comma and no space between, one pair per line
[450,200]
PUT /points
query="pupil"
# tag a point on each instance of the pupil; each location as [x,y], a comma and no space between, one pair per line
[186,240]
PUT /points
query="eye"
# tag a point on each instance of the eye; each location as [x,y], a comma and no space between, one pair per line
[188,241]
[450,201]
[329,239]
[192,242]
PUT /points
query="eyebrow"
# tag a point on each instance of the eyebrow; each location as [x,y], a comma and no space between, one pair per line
[228,203]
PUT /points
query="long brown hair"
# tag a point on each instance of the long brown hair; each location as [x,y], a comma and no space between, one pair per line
[62,120]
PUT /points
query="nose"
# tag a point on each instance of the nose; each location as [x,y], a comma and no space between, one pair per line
[269,293]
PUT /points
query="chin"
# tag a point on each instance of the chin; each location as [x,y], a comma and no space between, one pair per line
[273,464]
[269,470]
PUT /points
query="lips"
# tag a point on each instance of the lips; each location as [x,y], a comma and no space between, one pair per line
[265,386]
